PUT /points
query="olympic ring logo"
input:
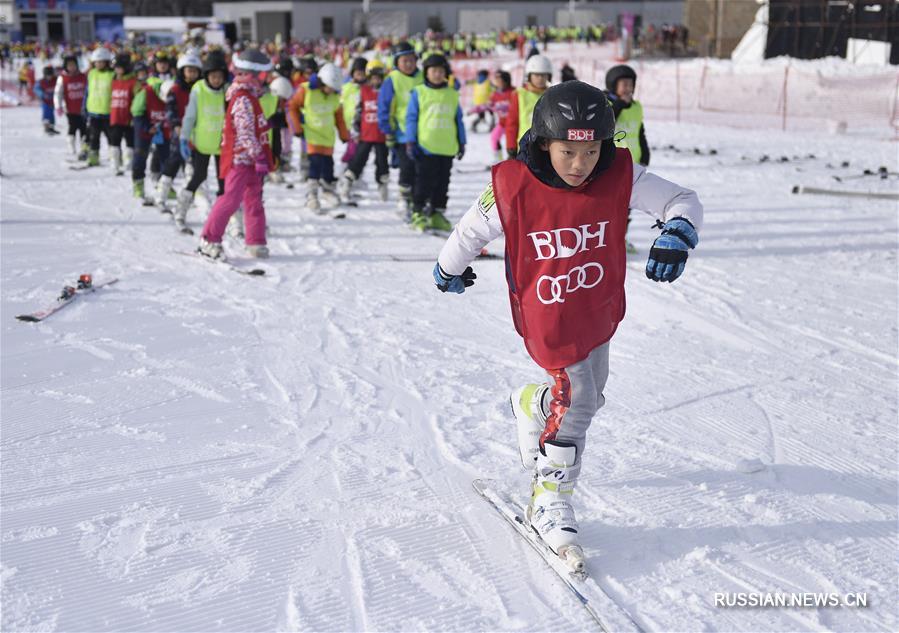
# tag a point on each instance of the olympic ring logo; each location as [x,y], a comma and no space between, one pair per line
[587,276]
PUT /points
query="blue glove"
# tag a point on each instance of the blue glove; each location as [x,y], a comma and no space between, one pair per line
[185,149]
[453,283]
[668,254]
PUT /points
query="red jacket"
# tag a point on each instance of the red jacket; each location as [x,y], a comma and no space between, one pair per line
[565,258]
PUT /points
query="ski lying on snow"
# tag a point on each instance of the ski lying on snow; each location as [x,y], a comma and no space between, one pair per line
[252,272]
[845,193]
[69,294]
[601,607]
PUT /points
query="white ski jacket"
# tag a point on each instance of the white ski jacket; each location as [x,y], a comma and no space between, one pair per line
[480,225]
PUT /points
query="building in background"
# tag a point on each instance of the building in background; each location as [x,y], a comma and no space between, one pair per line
[342,18]
[61,20]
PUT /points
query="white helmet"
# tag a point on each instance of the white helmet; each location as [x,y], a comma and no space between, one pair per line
[330,75]
[281,88]
[101,54]
[538,65]
[189,59]
[165,89]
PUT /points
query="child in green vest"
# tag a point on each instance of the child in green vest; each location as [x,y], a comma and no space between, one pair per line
[393,103]
[349,99]
[629,131]
[319,102]
[201,131]
[620,83]
[436,135]
[537,74]
[98,101]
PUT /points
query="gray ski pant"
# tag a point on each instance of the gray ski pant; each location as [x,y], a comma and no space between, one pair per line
[574,397]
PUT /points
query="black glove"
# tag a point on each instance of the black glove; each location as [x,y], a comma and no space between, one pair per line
[512,154]
[461,152]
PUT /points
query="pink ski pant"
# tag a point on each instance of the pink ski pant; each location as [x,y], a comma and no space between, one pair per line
[242,184]
[495,135]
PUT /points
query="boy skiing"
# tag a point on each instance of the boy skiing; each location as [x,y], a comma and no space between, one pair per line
[436,134]
[69,98]
[151,129]
[246,160]
[562,205]
[393,100]
[201,132]
[319,102]
[538,72]
[369,136]
[481,94]
[124,87]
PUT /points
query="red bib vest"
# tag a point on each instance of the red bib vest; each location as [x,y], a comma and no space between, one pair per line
[182,96]
[73,87]
[156,112]
[228,134]
[120,102]
[369,132]
[565,258]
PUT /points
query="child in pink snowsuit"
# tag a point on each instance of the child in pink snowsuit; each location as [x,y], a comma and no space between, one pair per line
[246,159]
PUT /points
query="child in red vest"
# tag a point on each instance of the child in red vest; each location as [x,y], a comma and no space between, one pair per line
[562,205]
[45,89]
[368,135]
[246,160]
[69,98]
[124,87]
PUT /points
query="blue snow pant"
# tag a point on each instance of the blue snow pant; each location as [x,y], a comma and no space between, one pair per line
[143,141]
[321,167]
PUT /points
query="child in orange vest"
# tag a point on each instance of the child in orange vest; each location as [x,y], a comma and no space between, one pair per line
[562,205]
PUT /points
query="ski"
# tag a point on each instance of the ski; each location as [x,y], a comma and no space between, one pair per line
[485,254]
[602,608]
[68,295]
[883,195]
[252,272]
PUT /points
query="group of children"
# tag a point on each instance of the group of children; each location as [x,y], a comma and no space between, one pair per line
[409,118]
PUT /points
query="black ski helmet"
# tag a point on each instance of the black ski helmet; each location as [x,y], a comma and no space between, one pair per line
[140,67]
[308,65]
[400,49]
[284,67]
[123,60]
[622,71]
[359,63]
[573,111]
[438,60]
[215,60]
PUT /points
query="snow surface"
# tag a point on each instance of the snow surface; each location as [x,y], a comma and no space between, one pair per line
[193,450]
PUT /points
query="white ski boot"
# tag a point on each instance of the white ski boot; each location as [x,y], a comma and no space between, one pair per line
[212,250]
[345,185]
[235,225]
[117,161]
[382,187]
[530,407]
[404,204]
[185,198]
[259,251]
[70,142]
[329,194]
[550,512]
[163,188]
[312,202]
